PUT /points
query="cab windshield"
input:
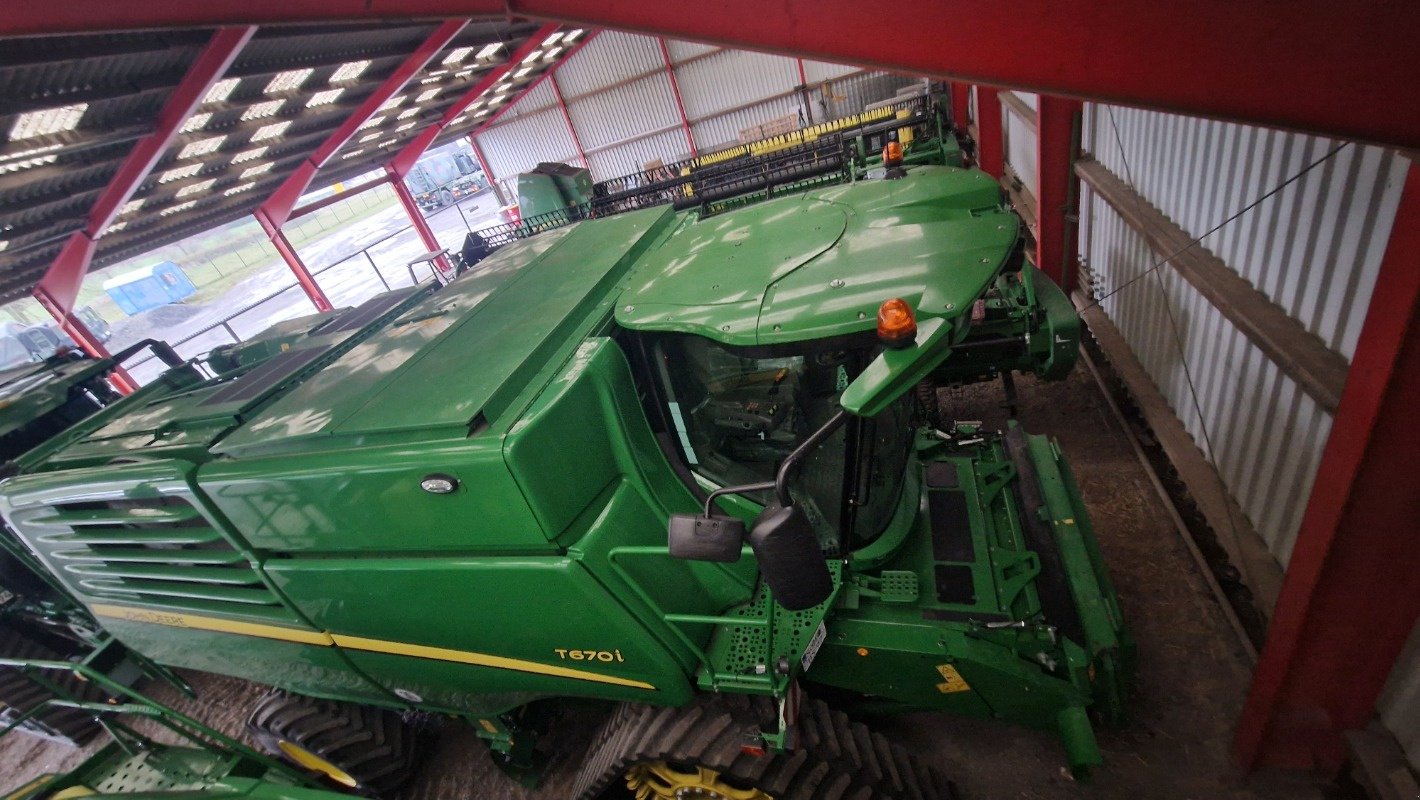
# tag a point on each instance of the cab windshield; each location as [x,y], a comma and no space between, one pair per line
[738,412]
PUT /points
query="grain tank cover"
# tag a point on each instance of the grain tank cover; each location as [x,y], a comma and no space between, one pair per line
[468,350]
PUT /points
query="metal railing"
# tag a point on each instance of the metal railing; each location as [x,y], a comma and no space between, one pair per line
[364,257]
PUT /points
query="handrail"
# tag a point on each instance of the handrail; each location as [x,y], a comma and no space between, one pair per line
[140,704]
[226,321]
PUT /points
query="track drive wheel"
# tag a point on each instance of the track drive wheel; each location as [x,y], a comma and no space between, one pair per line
[699,753]
[354,747]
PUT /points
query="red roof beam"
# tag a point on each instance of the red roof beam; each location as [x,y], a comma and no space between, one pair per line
[279,207]
[60,284]
[1223,59]
[508,106]
[405,159]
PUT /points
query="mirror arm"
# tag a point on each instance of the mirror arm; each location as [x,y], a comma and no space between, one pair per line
[781,480]
[780,484]
[748,487]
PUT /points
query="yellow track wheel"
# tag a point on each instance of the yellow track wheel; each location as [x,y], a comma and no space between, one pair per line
[659,780]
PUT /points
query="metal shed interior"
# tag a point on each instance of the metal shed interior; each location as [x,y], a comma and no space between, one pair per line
[1245,255]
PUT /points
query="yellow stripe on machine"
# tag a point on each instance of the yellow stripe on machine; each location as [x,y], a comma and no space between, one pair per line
[324,639]
[198,622]
[481,660]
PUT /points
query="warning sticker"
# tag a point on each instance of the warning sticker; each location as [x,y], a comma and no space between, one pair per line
[952,680]
[814,644]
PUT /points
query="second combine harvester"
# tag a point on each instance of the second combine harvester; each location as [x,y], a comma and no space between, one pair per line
[676,460]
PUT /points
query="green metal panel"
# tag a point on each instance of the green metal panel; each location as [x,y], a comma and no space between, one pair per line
[935,238]
[498,326]
[284,504]
[505,639]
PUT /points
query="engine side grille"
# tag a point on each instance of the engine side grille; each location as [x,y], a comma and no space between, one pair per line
[159,550]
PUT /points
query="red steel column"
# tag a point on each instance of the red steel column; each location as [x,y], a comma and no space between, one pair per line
[405,159]
[421,225]
[990,139]
[1351,595]
[567,118]
[961,105]
[86,339]
[675,92]
[62,281]
[304,278]
[1055,172]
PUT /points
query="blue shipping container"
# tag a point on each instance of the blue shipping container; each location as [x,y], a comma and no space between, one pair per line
[158,285]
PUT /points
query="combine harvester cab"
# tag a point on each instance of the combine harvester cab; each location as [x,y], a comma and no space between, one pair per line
[672,459]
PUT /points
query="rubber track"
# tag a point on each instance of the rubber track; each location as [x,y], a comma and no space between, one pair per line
[23,694]
[837,759]
[373,745]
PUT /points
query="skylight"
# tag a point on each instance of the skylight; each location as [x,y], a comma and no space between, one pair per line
[131,206]
[270,131]
[262,109]
[371,122]
[520,73]
[26,163]
[196,122]
[46,121]
[179,207]
[238,189]
[552,53]
[221,90]
[533,56]
[389,142]
[324,98]
[407,113]
[406,126]
[353,153]
[248,155]
[349,71]
[114,228]
[370,137]
[571,35]
[27,158]
[457,55]
[393,102]
[552,39]
[200,186]
[288,80]
[180,173]
[252,172]
[201,147]
[426,96]
[489,50]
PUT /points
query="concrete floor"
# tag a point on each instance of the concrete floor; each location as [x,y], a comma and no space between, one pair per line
[1192,679]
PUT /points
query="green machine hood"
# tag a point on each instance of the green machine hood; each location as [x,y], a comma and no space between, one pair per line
[818,264]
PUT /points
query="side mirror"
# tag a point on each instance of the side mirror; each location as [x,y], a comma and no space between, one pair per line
[789,557]
[706,538]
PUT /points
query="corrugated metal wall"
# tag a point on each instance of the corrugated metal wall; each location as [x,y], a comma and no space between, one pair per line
[1314,248]
[1399,706]
[1021,143]
[622,104]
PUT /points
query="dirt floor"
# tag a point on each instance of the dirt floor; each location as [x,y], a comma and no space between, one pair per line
[1192,679]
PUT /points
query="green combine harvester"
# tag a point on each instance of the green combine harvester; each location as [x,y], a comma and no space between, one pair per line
[672,459]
